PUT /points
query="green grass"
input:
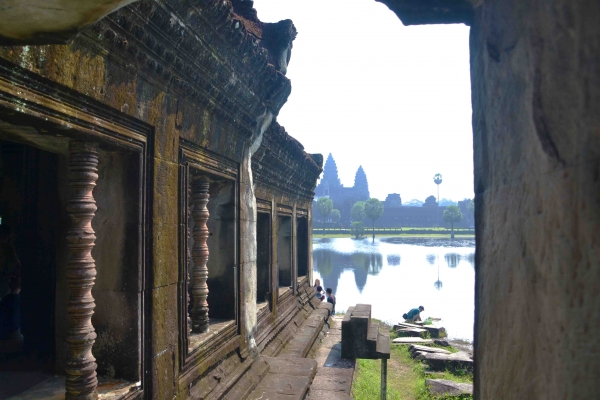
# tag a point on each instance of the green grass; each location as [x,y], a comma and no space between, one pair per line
[406,377]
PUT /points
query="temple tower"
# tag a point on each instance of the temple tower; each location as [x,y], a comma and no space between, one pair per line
[330,183]
[361,186]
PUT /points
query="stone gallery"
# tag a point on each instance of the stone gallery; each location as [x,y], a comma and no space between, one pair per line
[160,218]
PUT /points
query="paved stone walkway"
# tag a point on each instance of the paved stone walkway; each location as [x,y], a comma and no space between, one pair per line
[334,374]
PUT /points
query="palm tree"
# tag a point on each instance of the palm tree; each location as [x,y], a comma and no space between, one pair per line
[452,215]
[324,207]
[373,210]
[437,179]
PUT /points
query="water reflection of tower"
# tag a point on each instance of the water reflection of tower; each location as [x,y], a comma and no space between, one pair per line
[330,265]
[431,258]
[438,284]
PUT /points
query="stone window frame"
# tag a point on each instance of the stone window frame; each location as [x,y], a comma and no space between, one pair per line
[52,107]
[194,160]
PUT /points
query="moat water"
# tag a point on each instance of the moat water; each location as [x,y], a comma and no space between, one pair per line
[395,275]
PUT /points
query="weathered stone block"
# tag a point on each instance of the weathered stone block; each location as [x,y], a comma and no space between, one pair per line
[164,319]
[448,388]
[442,362]
[165,224]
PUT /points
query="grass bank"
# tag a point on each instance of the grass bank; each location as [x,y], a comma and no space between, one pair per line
[406,378]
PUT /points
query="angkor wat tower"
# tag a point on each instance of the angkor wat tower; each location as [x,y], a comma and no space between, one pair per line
[343,197]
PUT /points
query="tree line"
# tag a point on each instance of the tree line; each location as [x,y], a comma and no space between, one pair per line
[373,210]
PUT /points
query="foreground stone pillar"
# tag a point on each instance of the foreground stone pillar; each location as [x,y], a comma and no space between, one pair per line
[199,311]
[81,383]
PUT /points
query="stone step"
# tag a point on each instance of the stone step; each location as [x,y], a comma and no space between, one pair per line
[287,378]
[308,332]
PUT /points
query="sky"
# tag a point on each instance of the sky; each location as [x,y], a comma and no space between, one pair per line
[394,99]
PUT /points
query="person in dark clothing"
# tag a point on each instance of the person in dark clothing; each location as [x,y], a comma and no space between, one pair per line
[331,299]
[319,294]
[414,314]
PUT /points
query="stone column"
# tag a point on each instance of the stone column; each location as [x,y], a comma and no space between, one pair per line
[199,311]
[81,383]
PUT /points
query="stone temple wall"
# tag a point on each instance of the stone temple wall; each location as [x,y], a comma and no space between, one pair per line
[535,73]
[171,91]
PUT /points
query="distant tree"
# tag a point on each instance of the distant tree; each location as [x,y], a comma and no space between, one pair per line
[471,207]
[358,211]
[373,210]
[430,202]
[452,215]
[357,229]
[446,202]
[324,208]
[335,216]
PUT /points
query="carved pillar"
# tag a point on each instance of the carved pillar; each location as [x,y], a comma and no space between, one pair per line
[199,311]
[81,381]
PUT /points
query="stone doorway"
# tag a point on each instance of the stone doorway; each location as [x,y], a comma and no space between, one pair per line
[28,207]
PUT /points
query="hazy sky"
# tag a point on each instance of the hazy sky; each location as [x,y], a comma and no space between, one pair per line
[394,99]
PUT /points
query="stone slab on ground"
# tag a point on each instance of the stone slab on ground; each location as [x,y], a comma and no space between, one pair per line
[412,332]
[409,340]
[441,362]
[303,340]
[290,366]
[416,347]
[402,325]
[333,380]
[436,331]
[288,378]
[328,395]
[446,387]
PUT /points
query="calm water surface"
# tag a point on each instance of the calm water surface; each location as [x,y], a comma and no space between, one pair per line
[395,275]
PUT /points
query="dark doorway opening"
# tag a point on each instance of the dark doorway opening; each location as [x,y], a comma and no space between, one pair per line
[302,246]
[263,257]
[284,251]
[30,207]
[222,251]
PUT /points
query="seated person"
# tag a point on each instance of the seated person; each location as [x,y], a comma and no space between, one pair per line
[319,294]
[413,315]
[331,299]
[10,313]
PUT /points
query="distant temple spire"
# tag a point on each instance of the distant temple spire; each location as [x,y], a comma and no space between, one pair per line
[343,197]
[330,173]
[361,186]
